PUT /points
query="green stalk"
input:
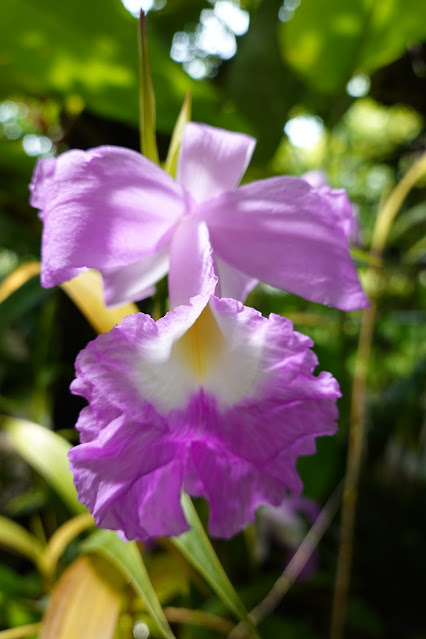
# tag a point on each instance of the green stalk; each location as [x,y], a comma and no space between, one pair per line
[146,96]
[383,225]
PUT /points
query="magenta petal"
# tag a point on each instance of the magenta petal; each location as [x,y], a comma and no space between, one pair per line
[191,265]
[136,281]
[212,161]
[234,489]
[285,233]
[103,208]
[214,399]
[231,281]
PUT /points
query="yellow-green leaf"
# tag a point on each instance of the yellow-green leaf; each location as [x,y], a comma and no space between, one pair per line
[85,602]
[21,632]
[18,278]
[195,546]
[127,558]
[170,165]
[167,576]
[46,452]
[146,97]
[86,292]
[16,538]
[62,537]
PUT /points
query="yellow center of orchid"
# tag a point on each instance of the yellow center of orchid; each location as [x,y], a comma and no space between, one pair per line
[201,346]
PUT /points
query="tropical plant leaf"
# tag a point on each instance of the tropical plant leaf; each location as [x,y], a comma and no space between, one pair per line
[147,114]
[127,558]
[86,292]
[22,632]
[85,602]
[170,165]
[195,546]
[62,537]
[16,538]
[46,452]
[88,49]
[18,278]
[328,42]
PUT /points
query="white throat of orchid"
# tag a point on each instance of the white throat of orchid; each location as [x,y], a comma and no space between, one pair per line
[215,353]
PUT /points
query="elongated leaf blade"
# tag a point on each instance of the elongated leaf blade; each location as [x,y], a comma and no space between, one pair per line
[146,96]
[18,278]
[85,602]
[16,538]
[46,452]
[197,549]
[127,558]
[63,536]
[86,292]
[172,156]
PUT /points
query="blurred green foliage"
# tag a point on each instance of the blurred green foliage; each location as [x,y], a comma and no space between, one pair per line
[355,70]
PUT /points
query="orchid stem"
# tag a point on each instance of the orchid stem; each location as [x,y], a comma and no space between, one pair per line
[384,221]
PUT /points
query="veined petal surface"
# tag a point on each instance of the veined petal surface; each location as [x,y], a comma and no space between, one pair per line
[214,399]
[231,281]
[287,234]
[136,281]
[191,265]
[103,208]
[212,161]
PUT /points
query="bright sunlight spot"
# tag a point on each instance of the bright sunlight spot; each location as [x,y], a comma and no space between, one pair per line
[36,144]
[304,131]
[358,86]
[287,9]
[134,6]
[213,39]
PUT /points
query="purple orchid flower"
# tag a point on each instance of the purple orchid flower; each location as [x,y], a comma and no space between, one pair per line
[111,209]
[213,399]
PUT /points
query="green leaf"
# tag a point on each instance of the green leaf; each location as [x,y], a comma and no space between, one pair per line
[88,49]
[146,96]
[195,546]
[328,42]
[127,558]
[29,631]
[16,538]
[62,537]
[170,165]
[46,452]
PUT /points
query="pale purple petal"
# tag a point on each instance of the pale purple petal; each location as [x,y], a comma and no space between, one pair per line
[191,265]
[136,281]
[315,178]
[232,282]
[103,208]
[212,398]
[339,200]
[212,161]
[287,234]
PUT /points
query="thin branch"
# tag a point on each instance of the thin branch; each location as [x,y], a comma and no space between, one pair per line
[385,219]
[198,618]
[294,567]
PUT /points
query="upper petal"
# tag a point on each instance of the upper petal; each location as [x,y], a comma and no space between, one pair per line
[212,161]
[287,234]
[136,281]
[231,281]
[191,262]
[103,208]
